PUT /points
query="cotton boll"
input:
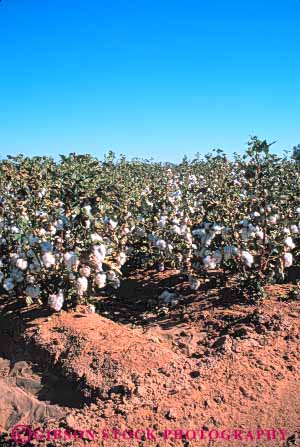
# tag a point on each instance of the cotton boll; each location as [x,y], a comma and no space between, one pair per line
[112,224]
[21,264]
[82,285]
[71,261]
[176,230]
[294,229]
[100,280]
[288,259]
[209,262]
[87,224]
[288,242]
[48,259]
[188,238]
[273,219]
[8,284]
[91,309]
[247,258]
[85,271]
[161,244]
[121,259]
[56,301]
[111,275]
[162,221]
[52,230]
[297,210]
[286,231]
[99,251]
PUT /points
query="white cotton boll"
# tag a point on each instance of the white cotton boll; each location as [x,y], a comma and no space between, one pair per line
[256,214]
[273,219]
[87,224]
[85,271]
[100,280]
[188,238]
[87,209]
[113,224]
[297,210]
[91,309]
[41,232]
[121,259]
[194,283]
[294,229]
[21,264]
[288,259]
[82,285]
[96,237]
[99,251]
[288,242]
[15,229]
[260,234]
[1,263]
[71,261]
[176,229]
[111,275]
[286,231]
[8,284]
[161,244]
[209,262]
[247,258]
[52,230]
[56,301]
[42,192]
[162,221]
[32,291]
[48,259]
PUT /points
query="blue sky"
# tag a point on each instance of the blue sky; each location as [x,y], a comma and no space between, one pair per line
[148,78]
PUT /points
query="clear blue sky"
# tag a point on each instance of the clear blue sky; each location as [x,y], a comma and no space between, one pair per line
[148,78]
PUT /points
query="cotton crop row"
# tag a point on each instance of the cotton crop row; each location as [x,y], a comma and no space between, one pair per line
[70,228]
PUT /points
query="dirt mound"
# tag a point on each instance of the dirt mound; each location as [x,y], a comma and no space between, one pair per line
[219,372]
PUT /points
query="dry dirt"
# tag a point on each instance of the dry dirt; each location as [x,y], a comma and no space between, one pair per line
[209,365]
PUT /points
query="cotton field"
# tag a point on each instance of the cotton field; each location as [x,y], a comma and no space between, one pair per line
[71,228]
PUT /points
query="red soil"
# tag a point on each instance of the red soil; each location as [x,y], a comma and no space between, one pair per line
[210,363]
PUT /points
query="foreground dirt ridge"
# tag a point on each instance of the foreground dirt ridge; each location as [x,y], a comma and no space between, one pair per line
[243,376]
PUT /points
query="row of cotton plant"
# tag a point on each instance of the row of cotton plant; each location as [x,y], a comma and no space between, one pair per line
[72,229]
